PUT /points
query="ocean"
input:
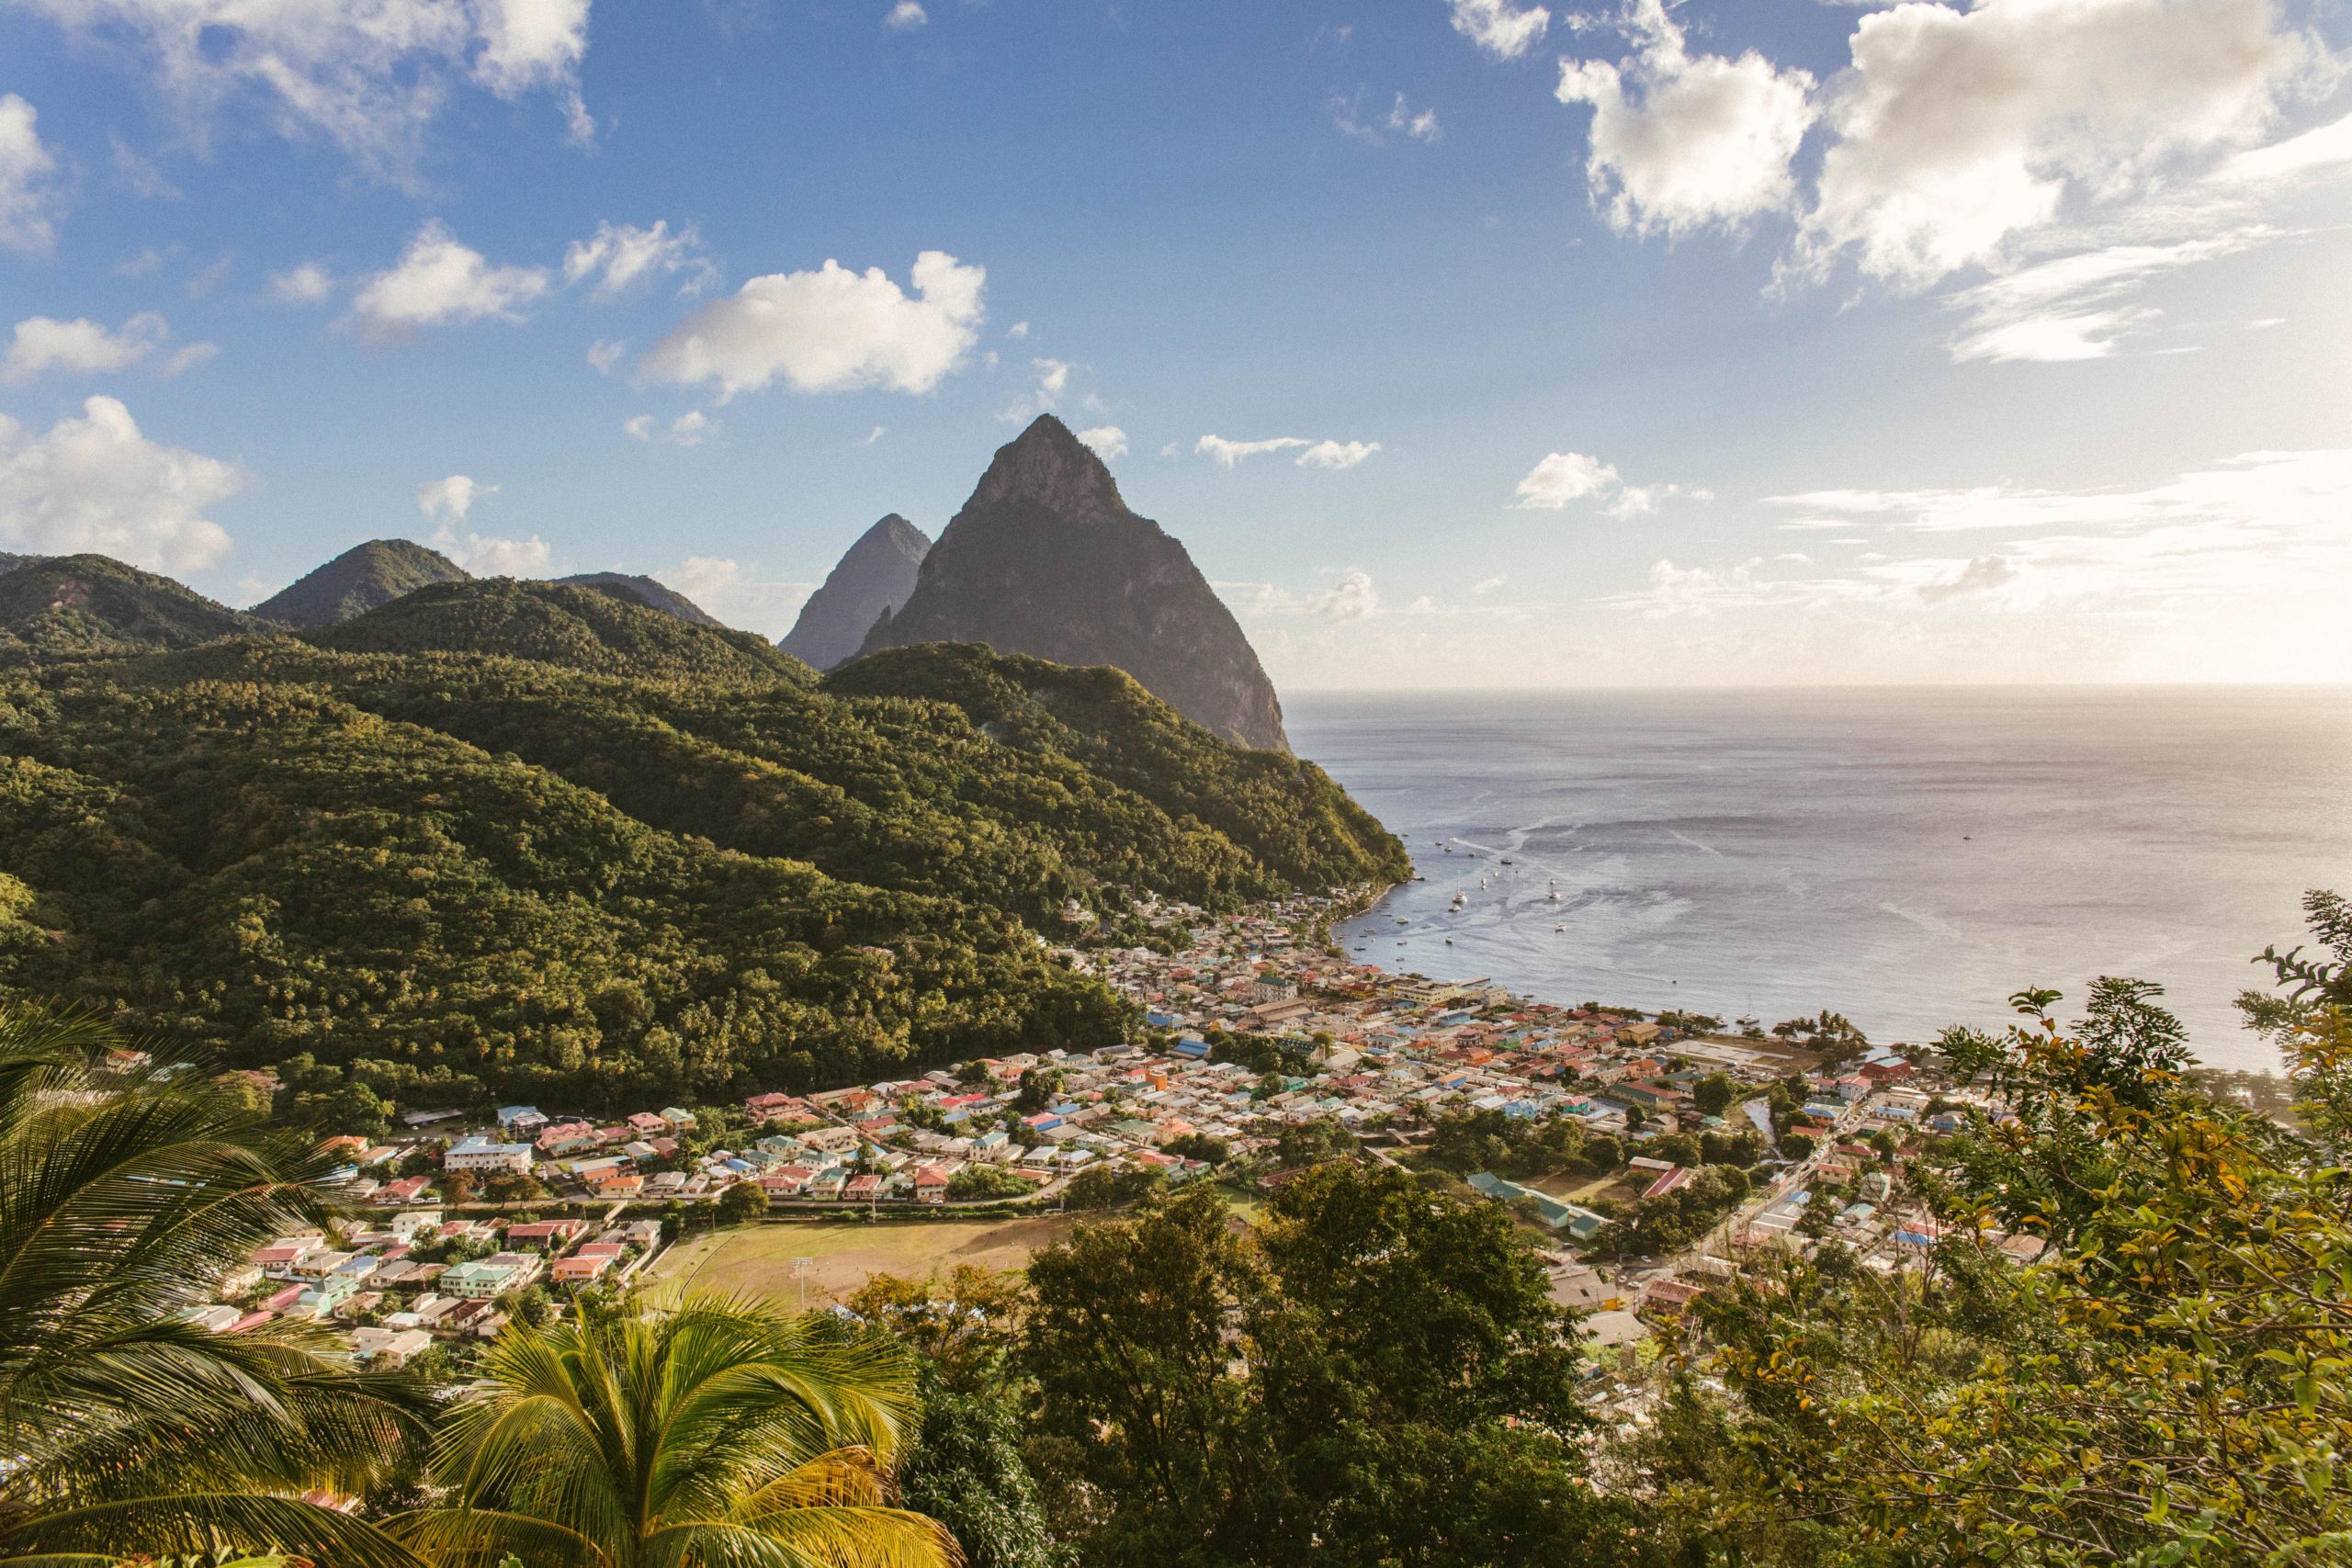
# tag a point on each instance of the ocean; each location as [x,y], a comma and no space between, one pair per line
[1905,857]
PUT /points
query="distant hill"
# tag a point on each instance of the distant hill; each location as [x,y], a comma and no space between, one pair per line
[356,581]
[643,591]
[79,606]
[1047,559]
[10,561]
[872,578]
[597,630]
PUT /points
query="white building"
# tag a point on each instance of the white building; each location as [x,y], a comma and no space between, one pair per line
[480,1153]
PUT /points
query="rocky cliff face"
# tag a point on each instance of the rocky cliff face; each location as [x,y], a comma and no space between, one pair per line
[871,581]
[1047,559]
[356,581]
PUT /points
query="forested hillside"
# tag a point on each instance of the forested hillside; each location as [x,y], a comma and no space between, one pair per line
[537,841]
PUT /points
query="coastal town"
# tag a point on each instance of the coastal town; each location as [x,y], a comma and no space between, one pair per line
[1649,1153]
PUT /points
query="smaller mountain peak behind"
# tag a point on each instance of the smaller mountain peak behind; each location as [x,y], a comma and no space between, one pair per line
[641,590]
[358,581]
[872,578]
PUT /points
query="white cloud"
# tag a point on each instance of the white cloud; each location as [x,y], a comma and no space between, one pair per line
[737,594]
[369,76]
[1228,454]
[2063,309]
[305,284]
[875,435]
[618,254]
[1560,478]
[2325,147]
[1353,599]
[1487,584]
[1052,380]
[452,497]
[488,557]
[1981,575]
[438,281]
[689,429]
[606,353]
[1563,477]
[1017,330]
[95,483]
[830,330]
[140,175]
[1109,443]
[905,17]
[1955,131]
[1698,140]
[1421,125]
[1336,453]
[1500,27]
[79,347]
[1311,454]
[26,199]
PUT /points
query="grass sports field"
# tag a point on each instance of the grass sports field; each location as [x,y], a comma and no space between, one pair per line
[758,1258]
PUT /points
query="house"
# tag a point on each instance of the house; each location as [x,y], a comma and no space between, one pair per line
[487,1277]
[863,1190]
[543,1233]
[482,1154]
[407,1189]
[520,1121]
[647,1123]
[931,1184]
[677,1121]
[582,1267]
[391,1348]
[1669,1298]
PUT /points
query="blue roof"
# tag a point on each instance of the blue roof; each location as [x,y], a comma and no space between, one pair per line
[1191,1048]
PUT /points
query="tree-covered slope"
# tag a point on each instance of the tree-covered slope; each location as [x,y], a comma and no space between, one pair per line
[439,870]
[579,628]
[356,581]
[636,589]
[69,607]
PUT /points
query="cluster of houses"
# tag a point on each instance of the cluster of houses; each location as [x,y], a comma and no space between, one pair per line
[419,1278]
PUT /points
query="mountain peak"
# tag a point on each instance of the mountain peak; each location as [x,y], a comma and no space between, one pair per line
[873,578]
[358,581]
[1045,559]
[1047,466]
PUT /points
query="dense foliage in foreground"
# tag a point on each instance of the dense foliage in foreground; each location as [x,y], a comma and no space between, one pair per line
[534,840]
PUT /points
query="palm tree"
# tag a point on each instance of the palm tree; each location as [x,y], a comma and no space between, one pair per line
[126,1193]
[719,1434]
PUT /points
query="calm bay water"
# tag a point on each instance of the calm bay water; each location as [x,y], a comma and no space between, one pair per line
[1907,858]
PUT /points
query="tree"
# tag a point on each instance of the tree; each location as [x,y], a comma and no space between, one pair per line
[977,1180]
[1797,1145]
[741,1201]
[125,1194]
[2185,1333]
[1113,1186]
[1713,1095]
[1200,1146]
[719,1432]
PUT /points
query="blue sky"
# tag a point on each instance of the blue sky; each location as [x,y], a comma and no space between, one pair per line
[1464,341]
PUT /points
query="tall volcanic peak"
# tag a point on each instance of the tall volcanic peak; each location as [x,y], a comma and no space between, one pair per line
[1047,559]
[873,579]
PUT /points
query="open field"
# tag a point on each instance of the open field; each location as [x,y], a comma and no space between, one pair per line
[757,1259]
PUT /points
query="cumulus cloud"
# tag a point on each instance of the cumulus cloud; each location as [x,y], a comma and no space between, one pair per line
[618,254]
[488,557]
[438,281]
[905,17]
[307,283]
[689,429]
[1109,443]
[452,497]
[95,483]
[1500,27]
[828,331]
[1955,131]
[606,353]
[1311,454]
[1682,142]
[26,199]
[79,346]
[1561,478]
[1981,575]
[1353,599]
[370,78]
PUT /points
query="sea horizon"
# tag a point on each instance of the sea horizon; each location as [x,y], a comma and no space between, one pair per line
[1908,857]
